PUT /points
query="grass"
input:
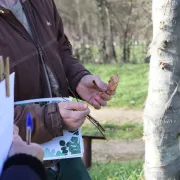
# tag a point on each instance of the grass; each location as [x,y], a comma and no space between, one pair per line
[117,171]
[131,93]
[116,131]
[133,85]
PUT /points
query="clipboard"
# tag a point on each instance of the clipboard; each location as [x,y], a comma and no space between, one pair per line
[4,74]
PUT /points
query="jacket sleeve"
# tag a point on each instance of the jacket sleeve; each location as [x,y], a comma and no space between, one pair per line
[23,167]
[47,122]
[73,69]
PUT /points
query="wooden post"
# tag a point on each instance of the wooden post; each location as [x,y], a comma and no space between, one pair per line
[87,158]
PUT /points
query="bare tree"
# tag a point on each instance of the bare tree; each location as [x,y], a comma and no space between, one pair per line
[105,25]
[126,23]
[111,53]
[162,110]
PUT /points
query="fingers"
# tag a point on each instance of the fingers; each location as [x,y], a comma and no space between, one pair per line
[101,85]
[100,101]
[73,114]
[111,93]
[19,146]
[74,106]
[105,96]
[16,143]
[78,118]
[95,104]
[38,151]
[17,138]
[15,130]
[80,114]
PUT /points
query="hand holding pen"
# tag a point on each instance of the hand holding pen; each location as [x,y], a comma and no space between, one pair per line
[21,147]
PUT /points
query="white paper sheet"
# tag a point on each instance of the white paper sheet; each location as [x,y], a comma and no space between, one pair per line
[6,120]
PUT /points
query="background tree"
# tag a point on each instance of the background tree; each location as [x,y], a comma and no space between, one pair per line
[107,31]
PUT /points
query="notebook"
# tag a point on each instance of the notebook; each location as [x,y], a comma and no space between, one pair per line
[70,145]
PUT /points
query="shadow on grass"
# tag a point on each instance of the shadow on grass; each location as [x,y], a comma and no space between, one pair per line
[116,131]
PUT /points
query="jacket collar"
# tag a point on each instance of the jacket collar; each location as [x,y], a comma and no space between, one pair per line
[4,10]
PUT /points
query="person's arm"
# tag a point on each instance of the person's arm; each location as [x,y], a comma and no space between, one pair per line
[23,167]
[79,78]
[73,69]
[47,121]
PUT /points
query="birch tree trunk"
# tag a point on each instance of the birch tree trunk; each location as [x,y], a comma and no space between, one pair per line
[162,110]
[110,51]
[80,20]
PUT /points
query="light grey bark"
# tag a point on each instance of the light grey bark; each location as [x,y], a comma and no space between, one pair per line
[162,110]
[110,51]
[80,20]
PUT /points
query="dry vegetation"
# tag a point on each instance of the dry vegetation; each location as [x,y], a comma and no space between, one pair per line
[107,30]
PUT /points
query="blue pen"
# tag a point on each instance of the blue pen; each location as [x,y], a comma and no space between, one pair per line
[29,128]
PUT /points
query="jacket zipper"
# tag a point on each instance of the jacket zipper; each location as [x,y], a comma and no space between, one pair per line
[42,58]
[45,71]
[39,49]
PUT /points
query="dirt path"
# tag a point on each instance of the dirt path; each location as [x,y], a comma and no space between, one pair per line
[117,115]
[117,150]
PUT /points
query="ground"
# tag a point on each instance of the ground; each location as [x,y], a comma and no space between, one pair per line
[117,150]
[117,115]
[104,151]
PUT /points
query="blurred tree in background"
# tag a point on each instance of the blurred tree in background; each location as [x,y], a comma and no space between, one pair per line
[108,31]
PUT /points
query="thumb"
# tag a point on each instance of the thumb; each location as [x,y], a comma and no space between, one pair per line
[36,150]
[15,130]
[76,106]
[100,84]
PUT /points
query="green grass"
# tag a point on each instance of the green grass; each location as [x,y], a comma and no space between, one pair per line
[117,171]
[116,131]
[133,85]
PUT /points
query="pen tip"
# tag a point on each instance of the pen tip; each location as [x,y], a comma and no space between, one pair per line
[29,122]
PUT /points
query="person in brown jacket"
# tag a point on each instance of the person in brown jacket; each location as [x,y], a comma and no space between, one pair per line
[32,35]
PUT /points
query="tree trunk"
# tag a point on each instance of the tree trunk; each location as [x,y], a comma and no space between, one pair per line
[162,110]
[124,52]
[128,53]
[104,29]
[125,48]
[110,50]
[80,31]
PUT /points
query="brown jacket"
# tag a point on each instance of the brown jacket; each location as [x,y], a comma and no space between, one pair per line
[49,45]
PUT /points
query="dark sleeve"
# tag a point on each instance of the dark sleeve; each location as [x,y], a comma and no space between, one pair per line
[73,69]
[47,121]
[23,167]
